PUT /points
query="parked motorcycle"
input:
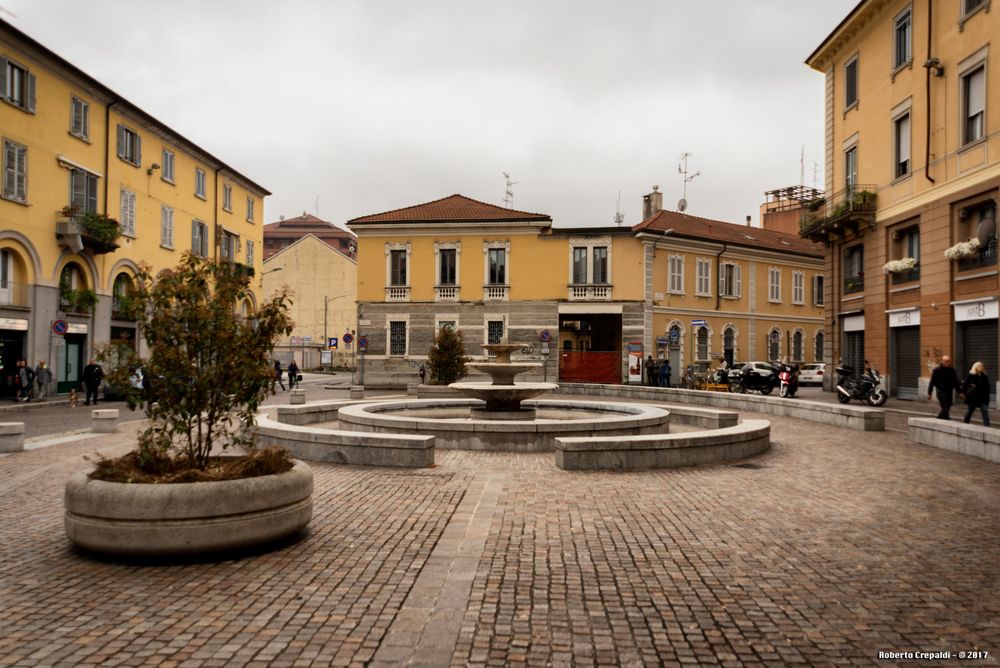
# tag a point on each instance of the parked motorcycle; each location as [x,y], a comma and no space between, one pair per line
[754,377]
[788,379]
[866,389]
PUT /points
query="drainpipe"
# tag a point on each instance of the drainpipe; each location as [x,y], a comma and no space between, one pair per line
[718,266]
[107,149]
[928,67]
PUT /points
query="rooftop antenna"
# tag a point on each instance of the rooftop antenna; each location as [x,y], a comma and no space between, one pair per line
[682,205]
[815,173]
[317,206]
[619,216]
[802,166]
[508,198]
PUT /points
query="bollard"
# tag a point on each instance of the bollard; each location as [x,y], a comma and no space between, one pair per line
[104,420]
[357,391]
[11,436]
[298,396]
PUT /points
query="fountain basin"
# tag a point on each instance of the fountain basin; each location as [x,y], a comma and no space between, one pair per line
[502,373]
[503,401]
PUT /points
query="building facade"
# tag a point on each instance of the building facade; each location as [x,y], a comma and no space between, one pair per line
[78,157]
[580,299]
[287,231]
[912,175]
[323,285]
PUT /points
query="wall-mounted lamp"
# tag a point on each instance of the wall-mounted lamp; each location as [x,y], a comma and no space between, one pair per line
[935,66]
[271,271]
[152,168]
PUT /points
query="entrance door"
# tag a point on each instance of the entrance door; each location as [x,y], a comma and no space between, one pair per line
[675,364]
[978,340]
[905,361]
[854,351]
[11,350]
[70,363]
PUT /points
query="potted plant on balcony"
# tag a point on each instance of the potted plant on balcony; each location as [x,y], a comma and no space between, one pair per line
[963,249]
[99,231]
[77,301]
[899,266]
[180,490]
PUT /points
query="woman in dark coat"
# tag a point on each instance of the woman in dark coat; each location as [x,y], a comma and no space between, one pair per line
[977,393]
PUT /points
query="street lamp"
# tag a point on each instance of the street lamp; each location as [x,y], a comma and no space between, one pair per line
[271,271]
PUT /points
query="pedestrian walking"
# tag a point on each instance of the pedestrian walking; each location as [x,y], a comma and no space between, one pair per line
[26,378]
[93,374]
[43,377]
[945,381]
[293,375]
[277,377]
[976,389]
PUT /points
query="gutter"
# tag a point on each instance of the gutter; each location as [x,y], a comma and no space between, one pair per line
[107,149]
[718,265]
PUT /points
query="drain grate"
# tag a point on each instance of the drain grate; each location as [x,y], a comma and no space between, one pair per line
[752,467]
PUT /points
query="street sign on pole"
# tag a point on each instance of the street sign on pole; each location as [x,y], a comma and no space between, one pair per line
[362,344]
[332,342]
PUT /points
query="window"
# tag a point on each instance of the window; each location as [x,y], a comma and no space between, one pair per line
[120,292]
[497,266]
[774,344]
[851,83]
[969,6]
[397,268]
[447,266]
[851,168]
[901,146]
[250,209]
[15,171]
[579,265]
[729,282]
[199,238]
[229,246]
[818,287]
[854,274]
[494,331]
[702,339]
[166,227]
[249,257]
[675,276]
[903,32]
[397,337]
[126,215]
[600,274]
[704,272]
[199,182]
[818,352]
[797,346]
[129,145]
[83,191]
[227,197]
[79,114]
[974,104]
[798,288]
[911,243]
[18,85]
[168,165]
[774,284]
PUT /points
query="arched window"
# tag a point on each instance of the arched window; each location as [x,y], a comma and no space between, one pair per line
[774,345]
[703,343]
[121,308]
[728,345]
[674,337]
[818,353]
[797,346]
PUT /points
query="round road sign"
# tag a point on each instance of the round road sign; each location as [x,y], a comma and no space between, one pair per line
[60,327]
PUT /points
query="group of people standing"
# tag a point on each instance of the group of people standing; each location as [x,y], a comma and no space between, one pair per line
[975,390]
[30,383]
[657,372]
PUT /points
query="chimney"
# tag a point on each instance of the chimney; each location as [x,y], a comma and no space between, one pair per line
[652,203]
[748,222]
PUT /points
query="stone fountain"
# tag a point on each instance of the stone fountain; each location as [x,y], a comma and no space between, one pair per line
[502,395]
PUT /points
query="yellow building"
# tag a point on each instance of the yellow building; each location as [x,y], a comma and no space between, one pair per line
[323,284]
[76,154]
[580,299]
[912,181]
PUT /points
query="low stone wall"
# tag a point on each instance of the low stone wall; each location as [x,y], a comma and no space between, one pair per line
[862,418]
[968,439]
[749,438]
[302,414]
[346,447]
[11,436]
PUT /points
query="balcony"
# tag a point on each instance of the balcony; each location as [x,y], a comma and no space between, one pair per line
[446,293]
[986,257]
[496,293]
[397,293]
[13,294]
[583,292]
[907,276]
[87,229]
[853,284]
[850,210]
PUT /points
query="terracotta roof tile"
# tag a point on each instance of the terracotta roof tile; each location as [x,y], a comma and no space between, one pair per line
[457,209]
[684,225]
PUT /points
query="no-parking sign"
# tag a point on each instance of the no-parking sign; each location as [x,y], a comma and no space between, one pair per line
[60,327]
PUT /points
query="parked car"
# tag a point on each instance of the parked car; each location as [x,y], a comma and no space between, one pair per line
[812,373]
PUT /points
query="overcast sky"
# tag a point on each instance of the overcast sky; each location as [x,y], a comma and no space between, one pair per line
[372,105]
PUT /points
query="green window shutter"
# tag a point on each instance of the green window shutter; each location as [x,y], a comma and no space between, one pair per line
[121,141]
[3,78]
[9,169]
[91,181]
[138,149]
[31,93]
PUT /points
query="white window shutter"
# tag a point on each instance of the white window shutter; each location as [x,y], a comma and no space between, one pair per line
[739,284]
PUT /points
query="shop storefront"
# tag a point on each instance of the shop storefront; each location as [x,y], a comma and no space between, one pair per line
[853,350]
[976,335]
[12,335]
[904,352]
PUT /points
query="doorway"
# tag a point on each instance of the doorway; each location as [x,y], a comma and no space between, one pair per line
[69,363]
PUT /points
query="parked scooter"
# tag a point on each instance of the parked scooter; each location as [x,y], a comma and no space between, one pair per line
[866,389]
[754,379]
[788,379]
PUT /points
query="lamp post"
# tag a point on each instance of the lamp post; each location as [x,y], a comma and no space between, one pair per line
[326,303]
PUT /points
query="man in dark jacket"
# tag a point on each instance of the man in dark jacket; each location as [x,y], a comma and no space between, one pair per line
[945,381]
[92,376]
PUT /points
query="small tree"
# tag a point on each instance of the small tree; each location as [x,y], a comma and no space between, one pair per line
[447,356]
[208,367]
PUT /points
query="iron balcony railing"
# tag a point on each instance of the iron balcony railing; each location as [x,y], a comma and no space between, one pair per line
[986,257]
[854,284]
[13,294]
[906,276]
[848,204]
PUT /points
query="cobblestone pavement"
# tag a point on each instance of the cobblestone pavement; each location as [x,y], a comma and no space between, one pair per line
[833,546]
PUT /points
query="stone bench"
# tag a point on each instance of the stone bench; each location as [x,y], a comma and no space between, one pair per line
[707,418]
[357,391]
[862,418]
[11,436]
[346,447]
[298,397]
[104,420]
[967,439]
[323,411]
[653,451]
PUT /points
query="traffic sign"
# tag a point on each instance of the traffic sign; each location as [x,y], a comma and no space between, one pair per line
[545,336]
[332,342]
[348,338]
[60,327]
[362,344]
[697,323]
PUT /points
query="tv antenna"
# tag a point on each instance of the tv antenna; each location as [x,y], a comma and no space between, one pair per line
[619,216]
[682,205]
[317,206]
[508,198]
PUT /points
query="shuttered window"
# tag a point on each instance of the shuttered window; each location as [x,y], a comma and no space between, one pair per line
[15,171]
[729,281]
[227,197]
[675,276]
[199,182]
[83,191]
[166,227]
[126,216]
[974,104]
[17,85]
[129,145]
[79,118]
[199,238]
[249,209]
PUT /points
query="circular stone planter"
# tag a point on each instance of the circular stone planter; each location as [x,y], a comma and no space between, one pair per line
[187,518]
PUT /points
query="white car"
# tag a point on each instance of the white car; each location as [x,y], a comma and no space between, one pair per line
[812,373]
